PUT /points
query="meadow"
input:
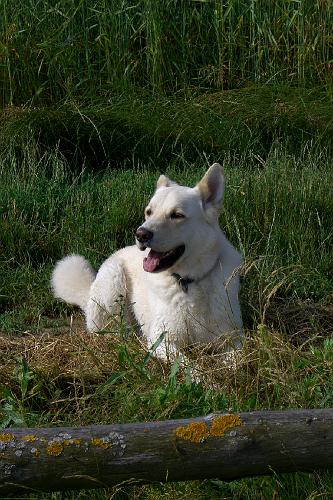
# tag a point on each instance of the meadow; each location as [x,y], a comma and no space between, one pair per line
[97,99]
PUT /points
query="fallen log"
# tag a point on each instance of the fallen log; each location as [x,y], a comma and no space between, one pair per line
[224,446]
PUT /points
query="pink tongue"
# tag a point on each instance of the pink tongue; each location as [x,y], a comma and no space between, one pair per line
[151,262]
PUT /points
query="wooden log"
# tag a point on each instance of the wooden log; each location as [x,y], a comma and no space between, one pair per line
[225,446]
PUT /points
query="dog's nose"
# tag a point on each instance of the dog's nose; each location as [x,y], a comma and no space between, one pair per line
[143,235]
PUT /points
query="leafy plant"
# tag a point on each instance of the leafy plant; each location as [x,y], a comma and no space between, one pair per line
[16,406]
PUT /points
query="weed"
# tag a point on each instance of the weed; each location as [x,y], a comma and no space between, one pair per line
[17,404]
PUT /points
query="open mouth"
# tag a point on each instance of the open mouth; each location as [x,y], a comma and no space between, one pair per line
[159,261]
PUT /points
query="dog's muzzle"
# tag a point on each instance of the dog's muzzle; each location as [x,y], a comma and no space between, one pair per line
[143,237]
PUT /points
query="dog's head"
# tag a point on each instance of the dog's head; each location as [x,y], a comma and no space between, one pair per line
[181,223]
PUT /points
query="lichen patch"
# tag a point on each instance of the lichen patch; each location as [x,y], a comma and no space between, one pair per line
[6,437]
[55,448]
[197,432]
[101,443]
[29,438]
[221,424]
[65,435]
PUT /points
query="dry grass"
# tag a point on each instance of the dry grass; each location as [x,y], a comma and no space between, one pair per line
[303,322]
[80,375]
[68,377]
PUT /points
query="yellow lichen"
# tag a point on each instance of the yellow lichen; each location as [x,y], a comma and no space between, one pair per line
[197,432]
[100,443]
[6,437]
[68,442]
[55,448]
[223,423]
[29,438]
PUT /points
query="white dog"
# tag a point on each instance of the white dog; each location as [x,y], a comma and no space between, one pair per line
[181,279]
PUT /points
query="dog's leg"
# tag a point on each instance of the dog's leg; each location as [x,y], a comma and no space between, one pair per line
[161,344]
[107,294]
[167,351]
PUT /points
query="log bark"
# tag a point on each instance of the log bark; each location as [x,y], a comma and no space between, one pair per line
[224,446]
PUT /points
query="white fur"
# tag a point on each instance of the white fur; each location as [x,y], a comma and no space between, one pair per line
[71,280]
[208,312]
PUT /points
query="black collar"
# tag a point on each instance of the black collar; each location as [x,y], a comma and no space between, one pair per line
[184,282]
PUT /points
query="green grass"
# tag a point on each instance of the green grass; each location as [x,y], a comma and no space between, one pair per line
[97,98]
[137,126]
[54,51]
[279,487]
[277,212]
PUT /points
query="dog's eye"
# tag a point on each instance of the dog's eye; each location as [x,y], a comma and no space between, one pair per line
[148,212]
[177,215]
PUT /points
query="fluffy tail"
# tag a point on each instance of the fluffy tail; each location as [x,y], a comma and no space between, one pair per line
[71,280]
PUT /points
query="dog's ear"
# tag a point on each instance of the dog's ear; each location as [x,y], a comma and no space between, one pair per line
[211,187]
[164,181]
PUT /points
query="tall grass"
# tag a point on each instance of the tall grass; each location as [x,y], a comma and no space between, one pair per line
[278,214]
[247,123]
[58,50]
[98,79]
